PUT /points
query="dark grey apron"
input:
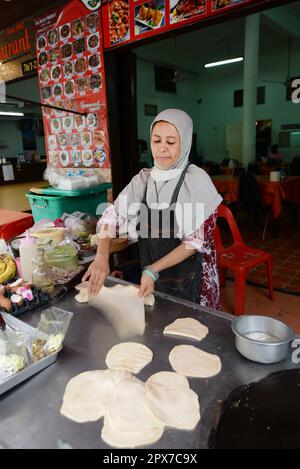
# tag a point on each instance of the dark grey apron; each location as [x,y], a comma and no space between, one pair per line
[182,280]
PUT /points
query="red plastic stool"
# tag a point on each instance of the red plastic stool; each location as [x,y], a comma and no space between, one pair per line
[240,259]
[14,223]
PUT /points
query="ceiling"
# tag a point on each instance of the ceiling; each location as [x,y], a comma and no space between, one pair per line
[13,11]
[226,40]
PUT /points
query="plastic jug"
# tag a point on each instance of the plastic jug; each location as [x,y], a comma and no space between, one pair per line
[28,251]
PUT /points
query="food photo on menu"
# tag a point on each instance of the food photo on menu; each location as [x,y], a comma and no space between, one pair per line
[149,16]
[118,21]
[181,10]
[95,82]
[219,4]
[92,22]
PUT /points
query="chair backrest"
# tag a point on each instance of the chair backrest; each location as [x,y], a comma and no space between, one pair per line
[295,166]
[249,192]
[238,171]
[225,212]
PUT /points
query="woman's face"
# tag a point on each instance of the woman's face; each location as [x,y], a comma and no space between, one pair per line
[165,144]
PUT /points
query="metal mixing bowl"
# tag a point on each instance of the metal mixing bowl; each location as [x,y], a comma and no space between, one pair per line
[262,339]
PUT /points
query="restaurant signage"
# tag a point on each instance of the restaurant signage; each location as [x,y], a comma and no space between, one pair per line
[127,21]
[16,45]
[71,76]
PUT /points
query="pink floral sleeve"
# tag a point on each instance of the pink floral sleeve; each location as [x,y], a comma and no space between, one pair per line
[203,241]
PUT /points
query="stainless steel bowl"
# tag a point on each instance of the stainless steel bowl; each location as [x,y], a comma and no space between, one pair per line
[262,339]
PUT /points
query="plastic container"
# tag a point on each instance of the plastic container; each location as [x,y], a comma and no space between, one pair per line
[28,250]
[56,235]
[63,257]
[52,203]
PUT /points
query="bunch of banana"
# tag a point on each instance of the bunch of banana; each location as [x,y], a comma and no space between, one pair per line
[8,268]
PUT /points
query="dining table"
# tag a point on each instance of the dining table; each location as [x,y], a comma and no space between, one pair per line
[274,194]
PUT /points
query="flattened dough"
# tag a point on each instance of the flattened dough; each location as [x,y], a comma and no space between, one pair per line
[167,378]
[119,439]
[128,411]
[187,327]
[176,406]
[88,394]
[129,356]
[191,361]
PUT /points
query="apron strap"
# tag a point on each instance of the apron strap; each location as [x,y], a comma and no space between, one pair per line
[176,191]
[178,187]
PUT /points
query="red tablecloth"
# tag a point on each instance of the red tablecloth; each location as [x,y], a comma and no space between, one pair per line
[273,193]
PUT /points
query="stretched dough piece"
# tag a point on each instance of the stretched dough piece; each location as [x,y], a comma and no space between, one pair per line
[149,300]
[123,309]
[82,297]
[191,361]
[128,411]
[129,356]
[82,287]
[176,406]
[88,394]
[187,327]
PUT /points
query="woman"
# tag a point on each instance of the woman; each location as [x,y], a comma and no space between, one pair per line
[161,205]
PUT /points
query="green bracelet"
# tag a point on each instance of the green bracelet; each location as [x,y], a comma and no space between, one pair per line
[151,274]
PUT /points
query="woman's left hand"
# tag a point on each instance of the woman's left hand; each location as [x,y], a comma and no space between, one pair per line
[147,286]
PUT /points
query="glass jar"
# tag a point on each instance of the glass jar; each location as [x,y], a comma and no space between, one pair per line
[41,275]
[45,244]
[63,257]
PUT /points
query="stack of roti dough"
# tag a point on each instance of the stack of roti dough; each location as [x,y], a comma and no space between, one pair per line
[135,413]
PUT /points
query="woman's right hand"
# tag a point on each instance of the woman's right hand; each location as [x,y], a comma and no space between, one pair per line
[97,273]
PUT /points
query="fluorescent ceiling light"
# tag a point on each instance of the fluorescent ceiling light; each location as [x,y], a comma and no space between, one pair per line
[224,62]
[16,114]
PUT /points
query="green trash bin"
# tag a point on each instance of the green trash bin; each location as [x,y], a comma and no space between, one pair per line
[53,203]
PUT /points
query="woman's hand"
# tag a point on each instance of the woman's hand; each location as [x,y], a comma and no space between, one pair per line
[147,286]
[97,273]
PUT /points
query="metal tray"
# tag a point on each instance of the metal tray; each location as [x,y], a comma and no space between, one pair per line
[15,324]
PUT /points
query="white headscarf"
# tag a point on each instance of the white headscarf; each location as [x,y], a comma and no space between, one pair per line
[184,127]
[197,187]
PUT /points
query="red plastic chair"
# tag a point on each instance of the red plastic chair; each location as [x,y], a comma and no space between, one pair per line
[239,259]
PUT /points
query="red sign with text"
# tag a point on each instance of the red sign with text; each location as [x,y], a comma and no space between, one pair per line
[71,76]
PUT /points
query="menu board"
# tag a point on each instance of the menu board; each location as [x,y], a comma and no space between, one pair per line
[126,21]
[71,75]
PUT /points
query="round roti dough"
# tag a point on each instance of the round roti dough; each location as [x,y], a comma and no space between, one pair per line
[88,394]
[128,411]
[187,327]
[167,379]
[176,406]
[129,356]
[119,439]
[191,361]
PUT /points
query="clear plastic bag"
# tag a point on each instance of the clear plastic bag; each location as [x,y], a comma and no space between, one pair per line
[51,331]
[79,225]
[13,353]
[72,179]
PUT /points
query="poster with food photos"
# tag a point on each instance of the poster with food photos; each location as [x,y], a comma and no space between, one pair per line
[71,78]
